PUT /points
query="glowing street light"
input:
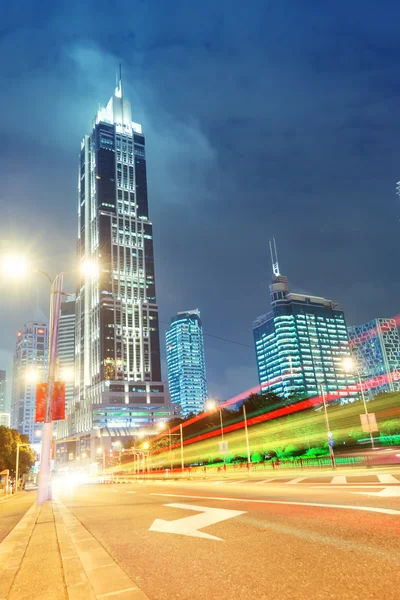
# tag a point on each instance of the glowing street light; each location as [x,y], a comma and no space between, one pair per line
[14,266]
[350,365]
[145,445]
[89,268]
[32,375]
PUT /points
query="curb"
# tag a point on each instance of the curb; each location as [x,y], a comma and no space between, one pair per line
[13,548]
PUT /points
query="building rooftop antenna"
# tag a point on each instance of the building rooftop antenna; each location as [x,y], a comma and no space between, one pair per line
[274,257]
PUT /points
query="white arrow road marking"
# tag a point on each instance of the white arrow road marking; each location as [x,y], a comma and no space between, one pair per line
[190,525]
[387,491]
[384,511]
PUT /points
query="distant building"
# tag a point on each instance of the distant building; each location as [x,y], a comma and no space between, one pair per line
[186,362]
[30,368]
[376,348]
[301,343]
[5,419]
[3,391]
[66,349]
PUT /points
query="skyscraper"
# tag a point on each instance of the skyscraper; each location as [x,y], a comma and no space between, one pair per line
[4,416]
[376,349]
[3,389]
[301,343]
[66,349]
[118,372]
[30,368]
[186,362]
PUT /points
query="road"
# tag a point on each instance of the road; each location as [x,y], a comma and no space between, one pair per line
[12,510]
[272,546]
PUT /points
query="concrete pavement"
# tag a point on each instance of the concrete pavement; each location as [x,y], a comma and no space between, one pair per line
[191,540]
[275,541]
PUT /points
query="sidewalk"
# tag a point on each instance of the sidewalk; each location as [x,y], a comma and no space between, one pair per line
[51,555]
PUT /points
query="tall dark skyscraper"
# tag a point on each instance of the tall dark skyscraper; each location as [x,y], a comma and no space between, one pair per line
[117,369]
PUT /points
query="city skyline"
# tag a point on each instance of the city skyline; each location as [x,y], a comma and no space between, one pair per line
[327,221]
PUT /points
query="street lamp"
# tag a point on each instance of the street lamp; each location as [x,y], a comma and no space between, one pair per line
[17,266]
[17,465]
[350,365]
[212,406]
[247,438]
[328,430]
[161,426]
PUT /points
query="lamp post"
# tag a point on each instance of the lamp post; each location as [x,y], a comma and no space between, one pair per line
[350,365]
[17,466]
[161,426]
[328,431]
[247,438]
[212,406]
[181,434]
[15,266]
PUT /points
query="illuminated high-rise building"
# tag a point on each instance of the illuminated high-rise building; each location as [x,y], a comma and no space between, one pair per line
[186,362]
[118,385]
[301,343]
[376,348]
[30,368]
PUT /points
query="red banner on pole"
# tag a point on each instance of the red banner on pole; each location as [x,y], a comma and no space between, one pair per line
[41,393]
[58,412]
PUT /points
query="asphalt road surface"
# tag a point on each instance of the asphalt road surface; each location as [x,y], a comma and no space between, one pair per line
[259,539]
[12,510]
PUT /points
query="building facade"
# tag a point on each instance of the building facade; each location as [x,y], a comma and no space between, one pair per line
[376,349]
[117,347]
[66,349]
[186,362]
[30,368]
[3,391]
[300,345]
[5,419]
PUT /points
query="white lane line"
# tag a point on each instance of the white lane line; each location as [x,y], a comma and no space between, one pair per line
[338,479]
[131,492]
[115,491]
[385,511]
[234,482]
[386,478]
[264,481]
[297,480]
[216,482]
[348,486]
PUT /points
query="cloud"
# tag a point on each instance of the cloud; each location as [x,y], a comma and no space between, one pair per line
[277,120]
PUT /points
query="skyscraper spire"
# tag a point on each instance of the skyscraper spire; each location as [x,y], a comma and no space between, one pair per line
[274,257]
[118,89]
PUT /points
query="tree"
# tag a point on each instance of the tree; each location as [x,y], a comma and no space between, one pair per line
[9,438]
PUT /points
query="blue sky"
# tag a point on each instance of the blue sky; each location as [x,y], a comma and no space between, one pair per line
[261,118]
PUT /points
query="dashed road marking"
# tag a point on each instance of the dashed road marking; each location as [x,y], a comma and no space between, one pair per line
[297,480]
[385,511]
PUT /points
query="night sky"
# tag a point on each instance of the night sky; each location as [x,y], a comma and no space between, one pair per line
[261,118]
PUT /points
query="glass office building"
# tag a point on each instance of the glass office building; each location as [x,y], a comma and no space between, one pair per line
[376,349]
[186,362]
[300,345]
